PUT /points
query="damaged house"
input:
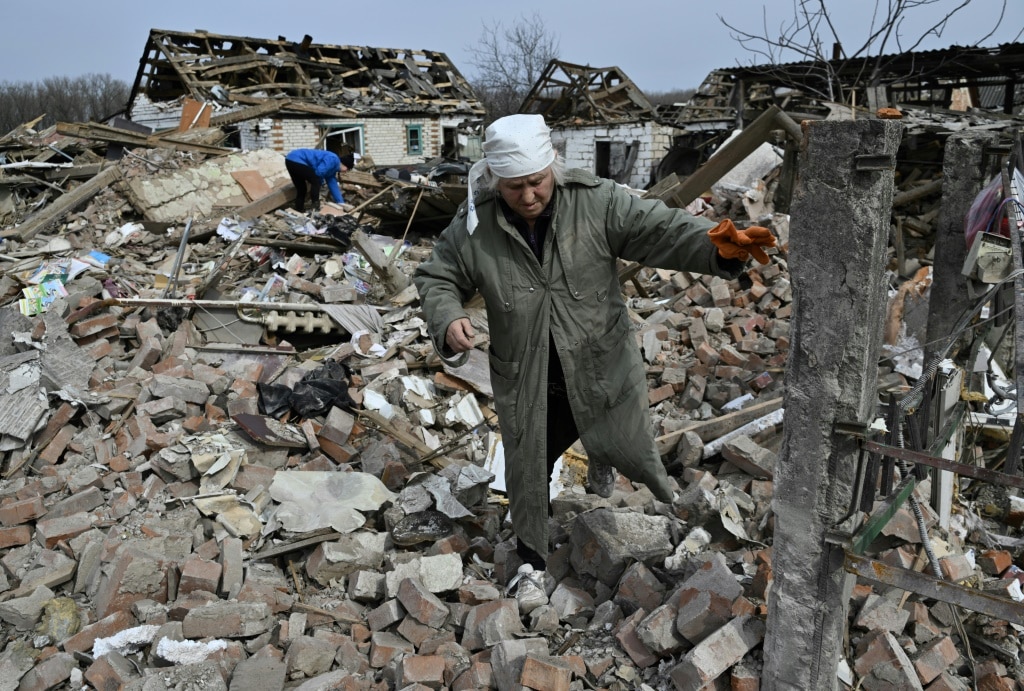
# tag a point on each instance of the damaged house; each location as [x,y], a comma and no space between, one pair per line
[600,121]
[988,81]
[399,106]
[231,459]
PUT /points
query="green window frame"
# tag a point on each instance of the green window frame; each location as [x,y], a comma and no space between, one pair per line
[414,139]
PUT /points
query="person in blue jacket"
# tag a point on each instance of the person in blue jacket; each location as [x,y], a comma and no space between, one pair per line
[308,168]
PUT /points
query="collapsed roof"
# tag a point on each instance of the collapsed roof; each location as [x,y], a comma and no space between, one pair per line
[994,76]
[214,67]
[567,94]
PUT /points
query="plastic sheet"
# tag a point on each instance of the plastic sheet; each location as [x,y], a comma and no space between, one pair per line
[981,217]
[315,394]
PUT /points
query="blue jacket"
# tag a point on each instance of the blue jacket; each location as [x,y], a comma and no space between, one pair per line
[325,164]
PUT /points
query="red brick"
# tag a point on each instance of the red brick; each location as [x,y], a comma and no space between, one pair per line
[15,537]
[111,671]
[93,325]
[421,604]
[385,647]
[49,673]
[55,449]
[994,682]
[744,679]
[956,568]
[546,674]
[50,531]
[18,512]
[422,669]
[199,574]
[659,394]
[261,592]
[599,665]
[100,349]
[934,658]
[104,628]
[415,632]
[62,417]
[631,643]
[136,575]
[478,676]
[992,562]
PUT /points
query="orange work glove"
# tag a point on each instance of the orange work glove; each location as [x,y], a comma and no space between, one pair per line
[741,244]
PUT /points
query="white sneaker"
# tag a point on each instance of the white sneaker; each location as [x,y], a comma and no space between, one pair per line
[532,588]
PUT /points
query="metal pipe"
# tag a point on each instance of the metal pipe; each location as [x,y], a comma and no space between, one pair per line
[173,280]
[212,304]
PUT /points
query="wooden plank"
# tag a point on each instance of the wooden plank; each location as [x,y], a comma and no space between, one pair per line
[65,205]
[394,279]
[275,200]
[87,170]
[404,437]
[250,113]
[324,535]
[744,144]
[709,430]
[105,133]
[194,114]
[253,183]
[915,193]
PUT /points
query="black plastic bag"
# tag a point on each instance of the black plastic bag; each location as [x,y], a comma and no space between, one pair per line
[275,399]
[315,394]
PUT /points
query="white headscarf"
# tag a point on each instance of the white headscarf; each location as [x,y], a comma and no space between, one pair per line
[514,146]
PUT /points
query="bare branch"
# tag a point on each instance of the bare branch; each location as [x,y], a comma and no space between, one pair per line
[71,99]
[509,60]
[806,34]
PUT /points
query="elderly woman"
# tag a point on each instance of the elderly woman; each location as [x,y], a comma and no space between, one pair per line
[540,243]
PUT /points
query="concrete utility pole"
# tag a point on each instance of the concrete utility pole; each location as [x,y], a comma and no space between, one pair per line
[838,238]
[967,164]
[966,167]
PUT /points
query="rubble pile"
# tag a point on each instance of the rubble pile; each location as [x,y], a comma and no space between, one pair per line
[276,484]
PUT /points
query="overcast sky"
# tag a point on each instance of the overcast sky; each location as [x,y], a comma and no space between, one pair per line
[661,45]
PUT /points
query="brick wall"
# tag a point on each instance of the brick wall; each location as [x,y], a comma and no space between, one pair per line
[579,146]
[158,116]
[383,138]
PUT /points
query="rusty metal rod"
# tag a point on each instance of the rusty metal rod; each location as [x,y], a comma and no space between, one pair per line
[992,476]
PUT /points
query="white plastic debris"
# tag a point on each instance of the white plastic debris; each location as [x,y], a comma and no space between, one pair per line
[187,652]
[375,401]
[125,642]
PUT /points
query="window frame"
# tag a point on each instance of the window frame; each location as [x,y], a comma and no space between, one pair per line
[409,148]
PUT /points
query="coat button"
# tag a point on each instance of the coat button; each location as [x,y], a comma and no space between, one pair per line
[506,304]
[577,293]
[532,289]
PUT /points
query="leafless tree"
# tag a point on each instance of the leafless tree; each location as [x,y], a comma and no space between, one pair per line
[812,38]
[91,97]
[508,61]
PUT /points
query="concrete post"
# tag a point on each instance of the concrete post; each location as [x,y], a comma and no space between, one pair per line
[965,170]
[838,239]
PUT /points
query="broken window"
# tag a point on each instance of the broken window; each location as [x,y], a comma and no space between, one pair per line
[414,139]
[614,159]
[344,139]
